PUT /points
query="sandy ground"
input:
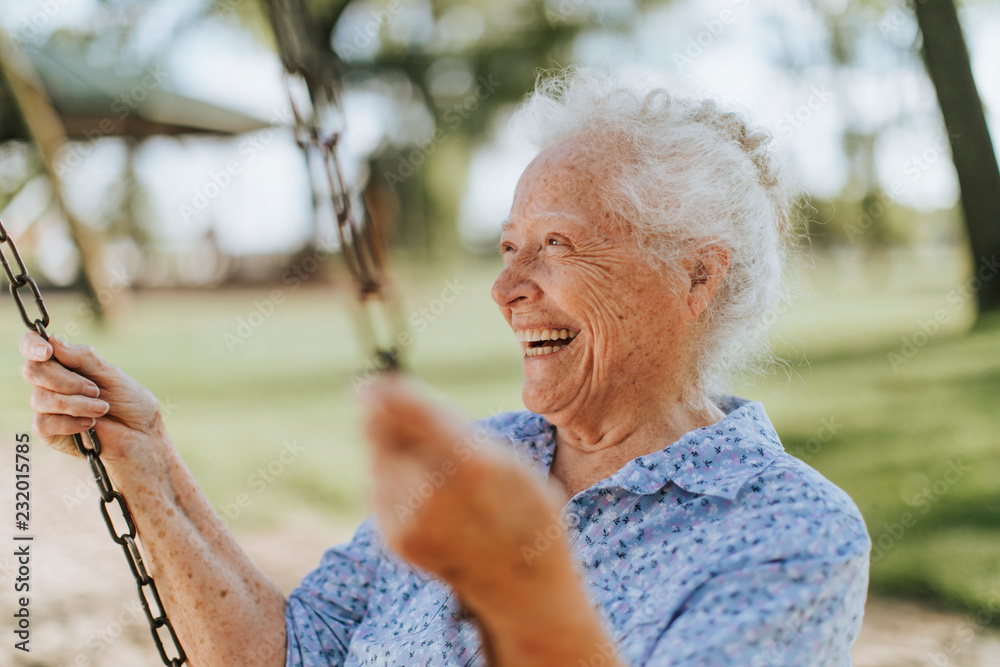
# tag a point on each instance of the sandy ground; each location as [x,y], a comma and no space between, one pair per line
[84,610]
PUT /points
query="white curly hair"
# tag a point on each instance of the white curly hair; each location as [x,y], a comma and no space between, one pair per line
[691,174]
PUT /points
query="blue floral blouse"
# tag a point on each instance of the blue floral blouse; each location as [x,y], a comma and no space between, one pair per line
[720,549]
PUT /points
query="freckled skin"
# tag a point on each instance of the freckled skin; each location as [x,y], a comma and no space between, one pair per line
[618,390]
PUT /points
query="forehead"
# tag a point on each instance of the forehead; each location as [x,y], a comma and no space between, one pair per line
[563,219]
[566,182]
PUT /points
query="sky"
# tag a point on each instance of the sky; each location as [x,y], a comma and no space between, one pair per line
[252,190]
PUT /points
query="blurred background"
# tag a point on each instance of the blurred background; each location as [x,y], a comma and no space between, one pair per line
[150,174]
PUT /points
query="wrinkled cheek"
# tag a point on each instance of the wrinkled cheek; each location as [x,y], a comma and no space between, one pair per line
[607,366]
[611,330]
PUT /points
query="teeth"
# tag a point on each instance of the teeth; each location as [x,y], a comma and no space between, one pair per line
[530,336]
[541,351]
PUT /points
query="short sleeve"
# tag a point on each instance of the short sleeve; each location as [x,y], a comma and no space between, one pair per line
[324,610]
[803,610]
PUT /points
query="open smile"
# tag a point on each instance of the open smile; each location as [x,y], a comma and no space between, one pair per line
[539,342]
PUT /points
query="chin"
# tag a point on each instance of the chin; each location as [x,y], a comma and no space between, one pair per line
[537,400]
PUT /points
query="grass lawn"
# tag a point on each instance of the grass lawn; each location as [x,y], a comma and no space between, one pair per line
[913,442]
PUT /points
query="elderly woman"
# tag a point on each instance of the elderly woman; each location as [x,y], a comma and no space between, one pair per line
[634,515]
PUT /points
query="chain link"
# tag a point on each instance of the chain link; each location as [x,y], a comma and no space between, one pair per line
[92,453]
[312,84]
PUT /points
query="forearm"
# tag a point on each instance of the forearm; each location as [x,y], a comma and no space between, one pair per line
[556,641]
[539,621]
[224,609]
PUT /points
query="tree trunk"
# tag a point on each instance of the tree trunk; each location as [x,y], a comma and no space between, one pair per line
[947,61]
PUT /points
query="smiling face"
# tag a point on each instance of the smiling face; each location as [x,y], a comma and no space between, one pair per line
[600,329]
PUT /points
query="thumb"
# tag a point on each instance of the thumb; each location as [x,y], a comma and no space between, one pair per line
[34,348]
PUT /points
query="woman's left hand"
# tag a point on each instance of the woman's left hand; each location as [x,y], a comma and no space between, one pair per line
[453,502]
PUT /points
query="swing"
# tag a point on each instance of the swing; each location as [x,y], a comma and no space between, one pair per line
[313,90]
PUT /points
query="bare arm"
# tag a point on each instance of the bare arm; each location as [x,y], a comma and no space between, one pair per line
[224,609]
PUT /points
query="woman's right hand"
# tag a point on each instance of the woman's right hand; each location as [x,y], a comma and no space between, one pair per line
[202,575]
[79,390]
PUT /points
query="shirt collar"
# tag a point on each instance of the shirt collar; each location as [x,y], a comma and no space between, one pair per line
[716,460]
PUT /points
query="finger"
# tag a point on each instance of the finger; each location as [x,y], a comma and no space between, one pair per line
[390,427]
[50,426]
[392,481]
[33,347]
[80,358]
[56,377]
[52,403]
[401,420]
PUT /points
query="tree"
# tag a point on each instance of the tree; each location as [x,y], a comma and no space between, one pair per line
[947,60]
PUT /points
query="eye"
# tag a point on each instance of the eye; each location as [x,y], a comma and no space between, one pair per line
[556,241]
[505,247]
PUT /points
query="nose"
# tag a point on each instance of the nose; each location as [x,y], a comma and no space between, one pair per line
[514,286]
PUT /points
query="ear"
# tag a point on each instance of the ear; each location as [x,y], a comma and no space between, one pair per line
[705,267]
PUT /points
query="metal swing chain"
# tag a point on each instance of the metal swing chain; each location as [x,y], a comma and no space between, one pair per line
[109,495]
[312,84]
[360,244]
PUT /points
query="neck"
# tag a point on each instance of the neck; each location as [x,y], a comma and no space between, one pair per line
[597,446]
